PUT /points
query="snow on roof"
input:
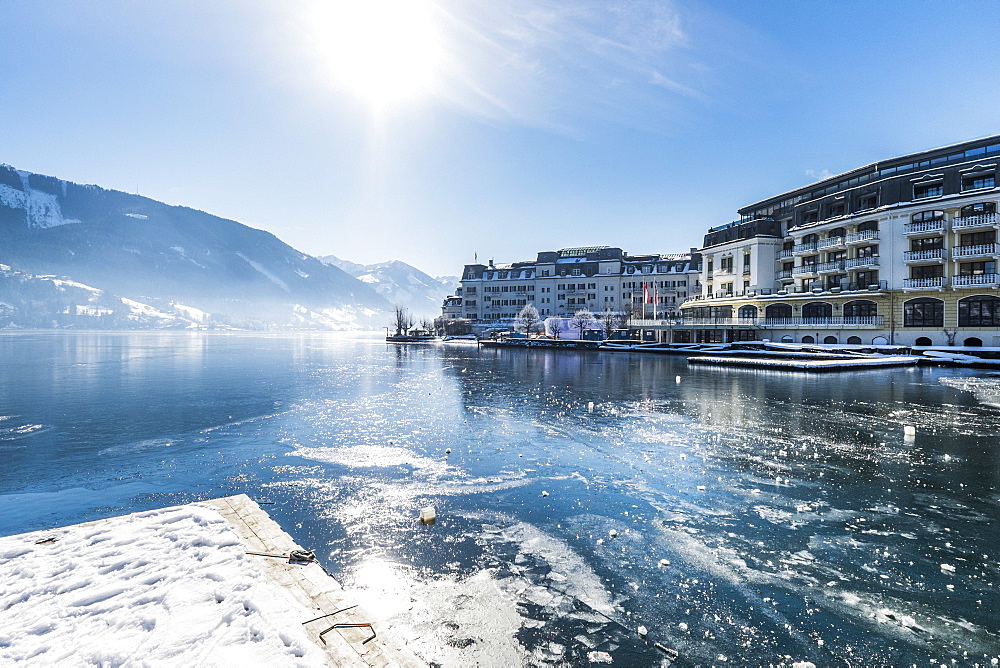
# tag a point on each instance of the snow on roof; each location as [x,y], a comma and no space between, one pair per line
[170,587]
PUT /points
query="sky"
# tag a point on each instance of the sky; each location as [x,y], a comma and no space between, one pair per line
[439,131]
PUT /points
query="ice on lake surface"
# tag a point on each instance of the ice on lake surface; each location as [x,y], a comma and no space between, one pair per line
[764,517]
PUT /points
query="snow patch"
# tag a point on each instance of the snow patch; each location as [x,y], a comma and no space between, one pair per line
[43,210]
[260,268]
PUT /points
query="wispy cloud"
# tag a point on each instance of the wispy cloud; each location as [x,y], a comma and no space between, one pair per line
[820,175]
[558,64]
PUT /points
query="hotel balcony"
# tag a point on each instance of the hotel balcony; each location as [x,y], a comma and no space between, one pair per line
[974,251]
[805,270]
[833,242]
[831,267]
[837,322]
[862,237]
[783,275]
[856,262]
[802,249]
[975,281]
[982,220]
[916,283]
[935,254]
[784,254]
[924,227]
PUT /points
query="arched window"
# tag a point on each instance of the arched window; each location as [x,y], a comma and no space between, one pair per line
[748,311]
[830,339]
[808,339]
[778,311]
[978,209]
[809,238]
[973,342]
[979,311]
[860,308]
[836,233]
[854,340]
[817,310]
[924,341]
[880,341]
[923,312]
[787,338]
[722,312]
[868,226]
[927,216]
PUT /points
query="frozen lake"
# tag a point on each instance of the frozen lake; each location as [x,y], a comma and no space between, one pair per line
[761,517]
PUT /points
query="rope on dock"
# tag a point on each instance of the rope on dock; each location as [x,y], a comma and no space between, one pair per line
[295,556]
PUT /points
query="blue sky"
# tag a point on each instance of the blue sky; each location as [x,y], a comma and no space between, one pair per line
[431,131]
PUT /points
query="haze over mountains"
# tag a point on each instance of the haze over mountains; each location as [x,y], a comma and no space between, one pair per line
[81,256]
[401,283]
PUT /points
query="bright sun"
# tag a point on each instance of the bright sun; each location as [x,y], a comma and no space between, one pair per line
[383,51]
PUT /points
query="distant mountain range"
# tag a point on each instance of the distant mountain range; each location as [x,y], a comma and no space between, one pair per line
[82,256]
[401,283]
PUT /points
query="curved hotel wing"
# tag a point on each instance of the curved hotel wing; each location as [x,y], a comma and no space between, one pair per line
[902,251]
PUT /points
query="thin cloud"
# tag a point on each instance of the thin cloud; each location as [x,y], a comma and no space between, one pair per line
[557,65]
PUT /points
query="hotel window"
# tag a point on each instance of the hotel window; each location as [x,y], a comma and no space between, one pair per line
[931,243]
[979,311]
[977,181]
[868,251]
[837,209]
[576,271]
[746,263]
[977,268]
[923,312]
[810,216]
[979,209]
[925,190]
[927,271]
[868,201]
[866,278]
[868,226]
[927,216]
[978,238]
[860,308]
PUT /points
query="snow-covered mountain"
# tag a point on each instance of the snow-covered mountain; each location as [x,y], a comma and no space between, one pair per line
[152,253]
[401,283]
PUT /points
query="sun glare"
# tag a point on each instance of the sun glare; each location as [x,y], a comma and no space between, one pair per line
[383,51]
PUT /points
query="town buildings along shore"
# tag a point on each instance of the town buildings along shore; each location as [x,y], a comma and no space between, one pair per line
[902,251]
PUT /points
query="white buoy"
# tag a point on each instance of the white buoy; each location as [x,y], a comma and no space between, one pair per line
[643,631]
[701,488]
[909,430]
[590,407]
[428,515]
[613,533]
[664,563]
[447,451]
[683,456]
[683,626]
[678,379]
[544,493]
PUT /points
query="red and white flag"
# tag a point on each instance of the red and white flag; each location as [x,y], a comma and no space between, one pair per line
[645,293]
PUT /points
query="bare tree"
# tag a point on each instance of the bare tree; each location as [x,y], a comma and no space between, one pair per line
[555,325]
[527,320]
[610,320]
[581,320]
[427,325]
[402,320]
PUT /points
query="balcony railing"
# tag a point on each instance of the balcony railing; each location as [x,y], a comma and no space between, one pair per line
[806,269]
[924,226]
[831,242]
[982,220]
[935,282]
[785,323]
[804,248]
[854,262]
[978,249]
[859,237]
[784,273]
[826,267]
[980,279]
[923,255]
[785,253]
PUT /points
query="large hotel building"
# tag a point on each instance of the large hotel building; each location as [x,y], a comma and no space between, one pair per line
[902,251]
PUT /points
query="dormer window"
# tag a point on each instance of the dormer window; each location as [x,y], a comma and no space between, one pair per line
[869,201]
[925,190]
[977,181]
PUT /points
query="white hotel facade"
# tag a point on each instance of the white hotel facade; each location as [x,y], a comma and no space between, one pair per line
[903,252]
[560,283]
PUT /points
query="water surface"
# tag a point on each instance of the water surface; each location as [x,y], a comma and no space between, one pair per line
[761,517]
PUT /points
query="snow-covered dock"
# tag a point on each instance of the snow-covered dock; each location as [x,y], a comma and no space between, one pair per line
[179,586]
[841,364]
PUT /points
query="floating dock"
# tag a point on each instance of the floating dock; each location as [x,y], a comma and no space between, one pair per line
[210,583]
[799,364]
